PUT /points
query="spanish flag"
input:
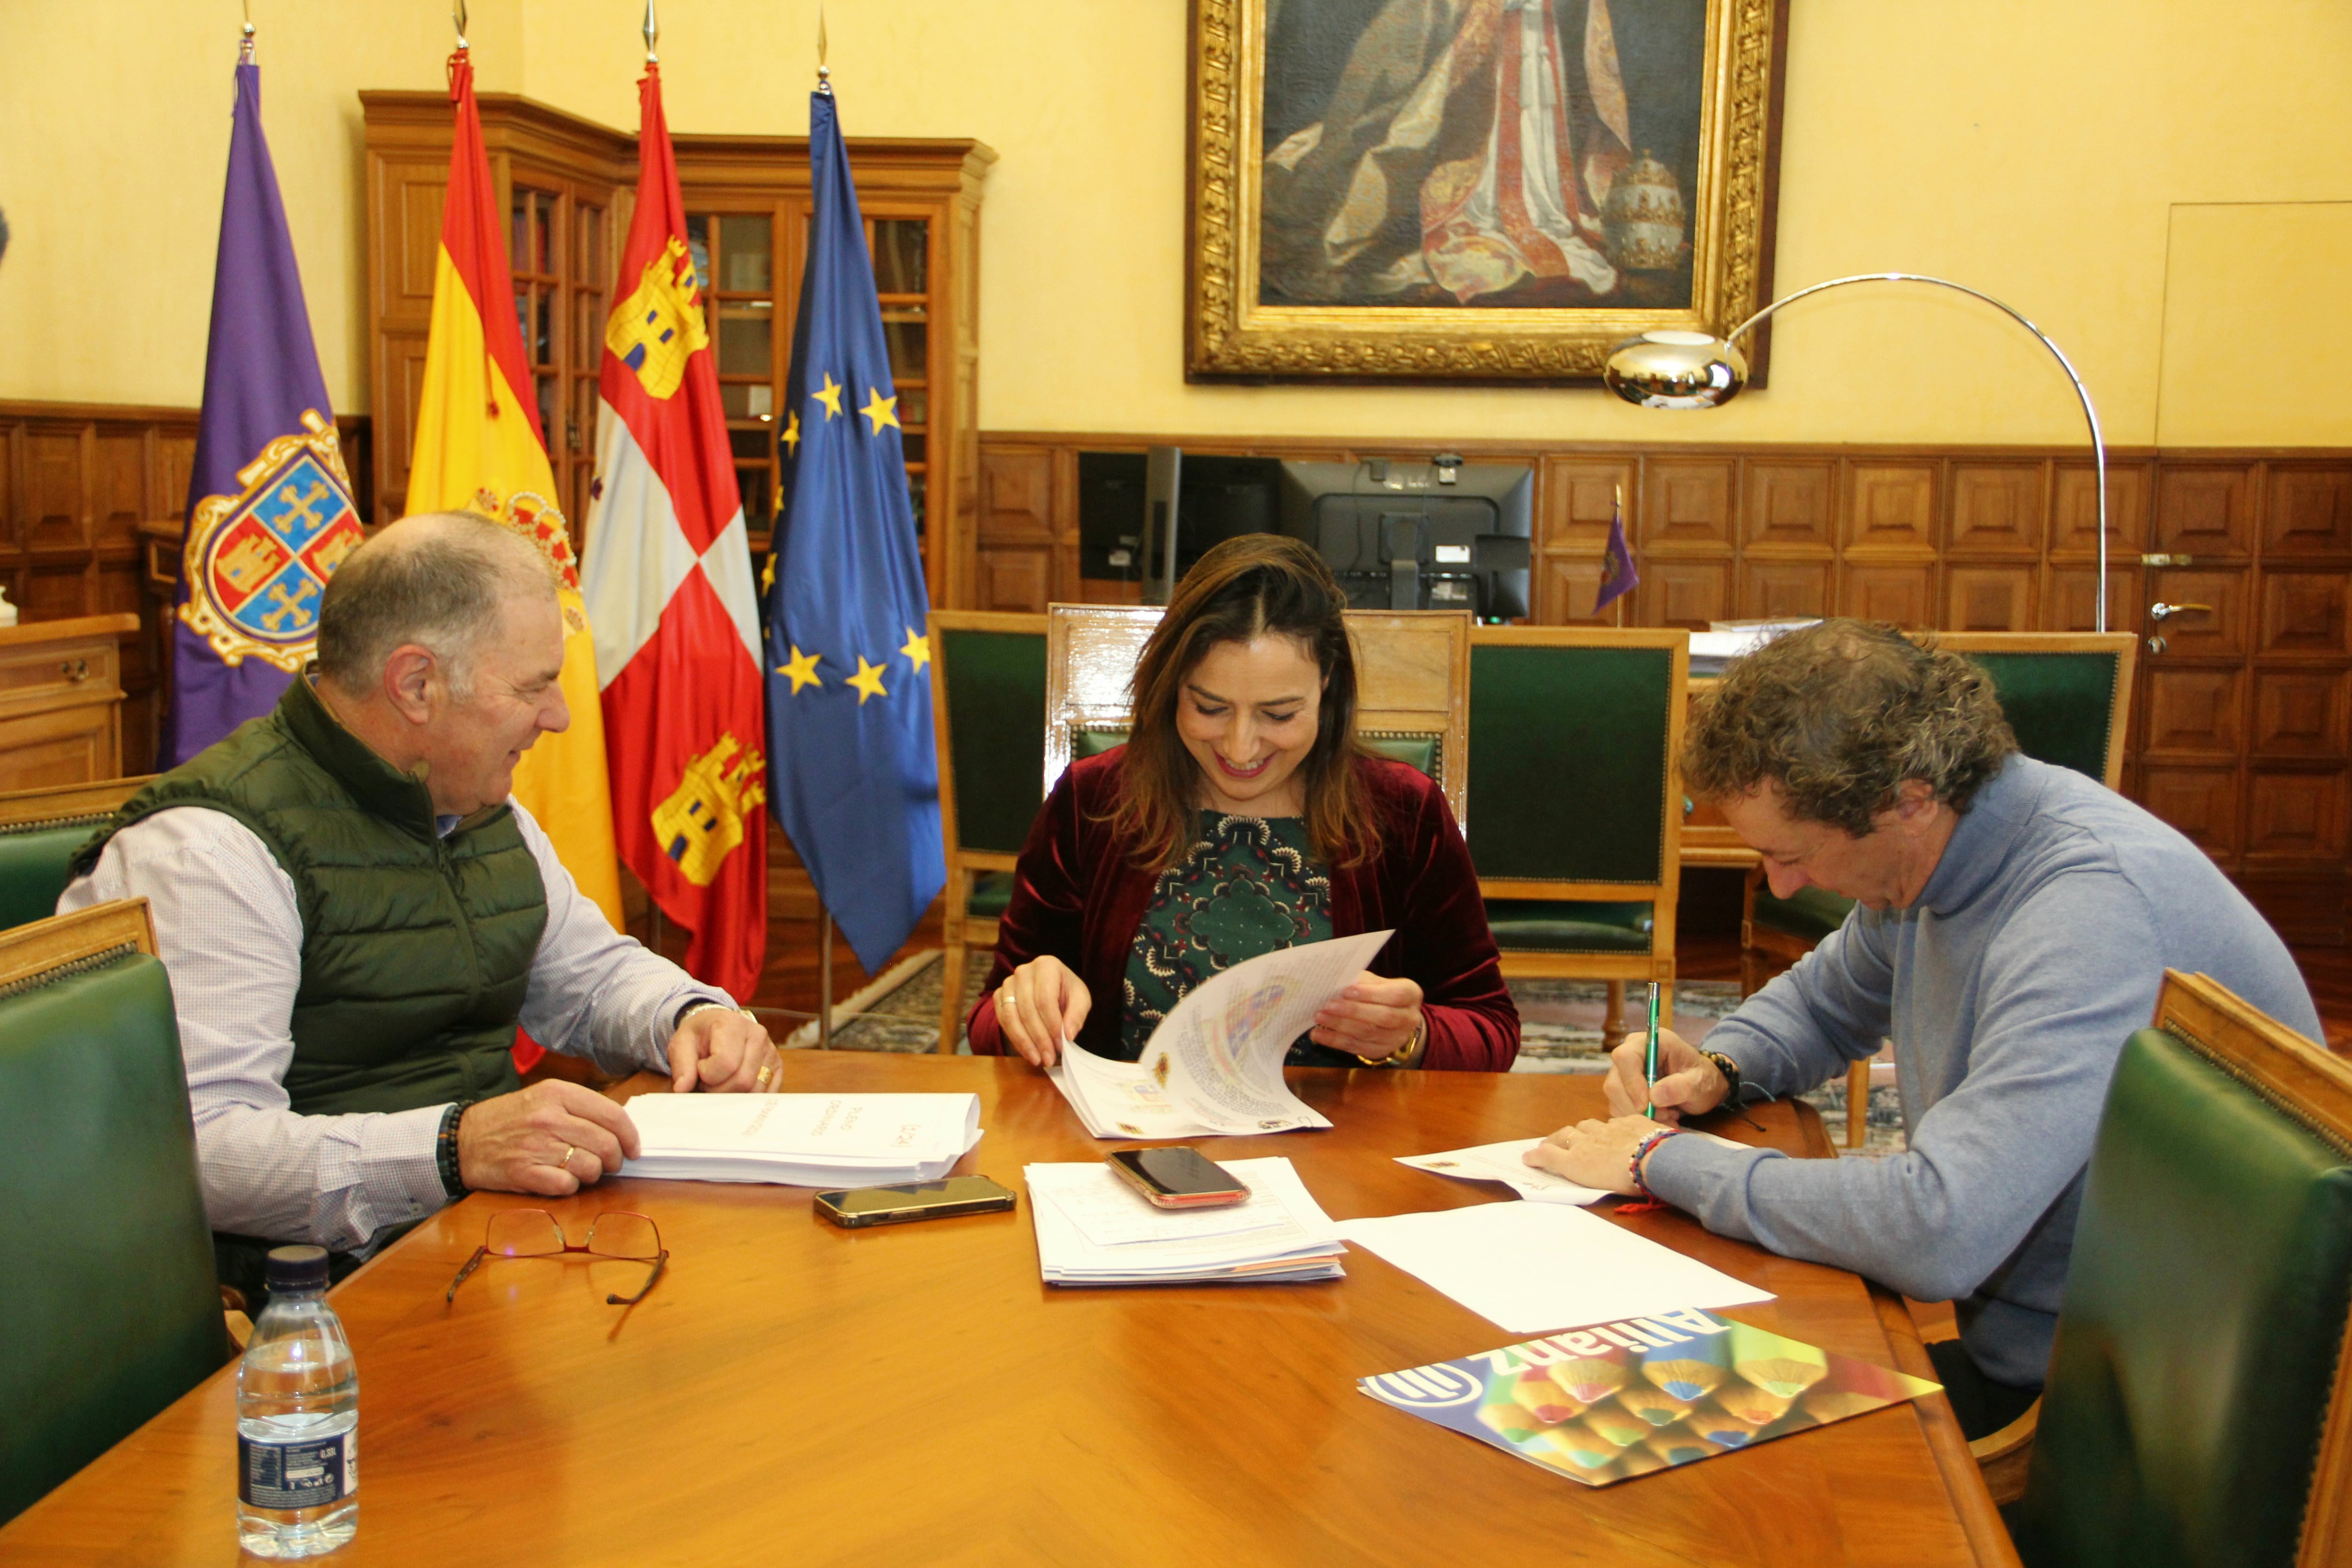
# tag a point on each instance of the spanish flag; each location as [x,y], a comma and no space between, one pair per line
[479,448]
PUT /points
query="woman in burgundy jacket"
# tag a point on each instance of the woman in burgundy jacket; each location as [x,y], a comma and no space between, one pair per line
[1243,815]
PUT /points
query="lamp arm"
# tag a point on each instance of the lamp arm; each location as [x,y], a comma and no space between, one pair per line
[2090,415]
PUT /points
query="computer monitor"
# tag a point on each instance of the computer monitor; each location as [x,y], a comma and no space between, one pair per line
[1437,535]
[1126,498]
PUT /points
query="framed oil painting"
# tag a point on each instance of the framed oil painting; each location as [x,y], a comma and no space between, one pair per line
[1474,190]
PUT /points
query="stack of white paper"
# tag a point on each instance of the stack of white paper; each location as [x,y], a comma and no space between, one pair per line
[1094,1229]
[1214,1064]
[1501,1163]
[802,1139]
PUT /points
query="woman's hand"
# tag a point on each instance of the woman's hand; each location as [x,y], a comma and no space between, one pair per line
[1374,1017]
[1040,1008]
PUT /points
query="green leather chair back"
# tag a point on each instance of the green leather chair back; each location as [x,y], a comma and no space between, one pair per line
[2205,1307]
[33,865]
[996,733]
[108,1306]
[1567,762]
[2059,704]
[1419,752]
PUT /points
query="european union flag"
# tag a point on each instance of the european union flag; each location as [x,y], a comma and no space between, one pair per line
[853,774]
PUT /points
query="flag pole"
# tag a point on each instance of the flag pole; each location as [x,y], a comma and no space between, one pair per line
[825,979]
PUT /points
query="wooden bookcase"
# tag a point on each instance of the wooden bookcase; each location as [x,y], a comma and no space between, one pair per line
[568,185]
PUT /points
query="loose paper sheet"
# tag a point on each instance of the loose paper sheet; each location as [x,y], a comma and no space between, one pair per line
[1502,1163]
[1530,1267]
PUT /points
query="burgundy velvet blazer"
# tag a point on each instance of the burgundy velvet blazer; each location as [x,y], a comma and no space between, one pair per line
[1079,896]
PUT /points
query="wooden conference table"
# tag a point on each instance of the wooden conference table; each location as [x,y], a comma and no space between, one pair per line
[795,1393]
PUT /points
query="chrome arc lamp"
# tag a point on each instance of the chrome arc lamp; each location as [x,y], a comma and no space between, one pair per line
[1682,370]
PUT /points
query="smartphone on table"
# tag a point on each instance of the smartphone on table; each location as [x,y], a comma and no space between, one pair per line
[856,1207]
[1177,1178]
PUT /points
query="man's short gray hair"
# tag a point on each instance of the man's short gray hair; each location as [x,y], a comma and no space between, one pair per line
[437,579]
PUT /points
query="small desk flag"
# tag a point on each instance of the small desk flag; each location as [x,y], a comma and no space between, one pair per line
[669,591]
[478,447]
[1618,576]
[853,769]
[269,506]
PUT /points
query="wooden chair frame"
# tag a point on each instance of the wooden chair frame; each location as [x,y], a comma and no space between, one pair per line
[960,930]
[2311,1087]
[26,808]
[31,951]
[1759,944]
[1413,677]
[1613,969]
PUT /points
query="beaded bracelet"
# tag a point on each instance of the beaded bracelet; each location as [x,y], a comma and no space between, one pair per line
[1650,1141]
[444,1150]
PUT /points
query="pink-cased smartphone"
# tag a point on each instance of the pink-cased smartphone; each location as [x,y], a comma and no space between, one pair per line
[1177,1178]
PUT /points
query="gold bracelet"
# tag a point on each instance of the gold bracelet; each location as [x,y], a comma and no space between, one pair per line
[1404,1057]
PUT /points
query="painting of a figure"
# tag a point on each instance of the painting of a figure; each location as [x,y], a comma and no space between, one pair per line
[1474,190]
[1467,152]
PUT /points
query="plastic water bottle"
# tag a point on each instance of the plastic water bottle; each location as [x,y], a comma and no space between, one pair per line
[298,1419]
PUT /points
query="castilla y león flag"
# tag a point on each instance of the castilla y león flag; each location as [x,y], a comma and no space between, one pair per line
[669,582]
[478,447]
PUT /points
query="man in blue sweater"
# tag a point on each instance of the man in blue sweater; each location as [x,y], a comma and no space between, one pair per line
[2014,925]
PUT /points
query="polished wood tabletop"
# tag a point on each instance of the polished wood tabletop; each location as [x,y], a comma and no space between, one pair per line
[795,1393]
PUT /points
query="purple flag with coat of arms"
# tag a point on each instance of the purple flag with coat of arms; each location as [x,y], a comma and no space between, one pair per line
[269,506]
[1617,574]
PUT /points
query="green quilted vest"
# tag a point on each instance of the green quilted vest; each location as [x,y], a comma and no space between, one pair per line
[415,948]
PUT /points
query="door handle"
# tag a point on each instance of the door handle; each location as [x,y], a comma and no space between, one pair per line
[2160,610]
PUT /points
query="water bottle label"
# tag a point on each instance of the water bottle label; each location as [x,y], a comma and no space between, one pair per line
[308,1474]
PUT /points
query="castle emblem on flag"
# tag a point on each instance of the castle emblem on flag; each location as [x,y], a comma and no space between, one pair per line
[257,562]
[702,821]
[659,326]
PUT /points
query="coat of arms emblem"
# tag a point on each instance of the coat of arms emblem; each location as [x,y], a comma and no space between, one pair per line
[257,562]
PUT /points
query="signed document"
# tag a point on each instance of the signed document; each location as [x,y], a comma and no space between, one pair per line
[1214,1064]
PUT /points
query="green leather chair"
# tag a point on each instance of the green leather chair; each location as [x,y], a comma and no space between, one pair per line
[2198,1411]
[109,1307]
[39,831]
[2067,696]
[991,668]
[1578,834]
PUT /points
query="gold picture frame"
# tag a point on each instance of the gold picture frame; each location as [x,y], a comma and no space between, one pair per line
[1451,301]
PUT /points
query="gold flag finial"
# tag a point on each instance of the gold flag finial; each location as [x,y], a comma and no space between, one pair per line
[824,77]
[244,48]
[653,32]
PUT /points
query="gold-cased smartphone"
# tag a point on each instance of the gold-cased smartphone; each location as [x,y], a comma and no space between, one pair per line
[856,1207]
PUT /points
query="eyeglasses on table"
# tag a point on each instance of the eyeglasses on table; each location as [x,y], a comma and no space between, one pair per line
[616,1233]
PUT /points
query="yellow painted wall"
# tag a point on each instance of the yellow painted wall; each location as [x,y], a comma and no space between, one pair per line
[2086,162]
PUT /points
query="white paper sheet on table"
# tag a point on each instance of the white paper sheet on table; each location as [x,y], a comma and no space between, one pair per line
[802,1139]
[1533,1268]
[1195,1245]
[1214,1064]
[1501,1163]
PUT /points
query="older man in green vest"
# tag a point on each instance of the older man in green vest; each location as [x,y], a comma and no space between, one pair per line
[355,917]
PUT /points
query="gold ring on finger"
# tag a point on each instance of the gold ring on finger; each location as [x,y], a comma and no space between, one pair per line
[766,1073]
[565,1164]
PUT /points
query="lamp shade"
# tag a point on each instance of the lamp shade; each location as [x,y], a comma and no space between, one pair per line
[1675,370]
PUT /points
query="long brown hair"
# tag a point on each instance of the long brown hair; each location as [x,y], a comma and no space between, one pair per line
[1247,587]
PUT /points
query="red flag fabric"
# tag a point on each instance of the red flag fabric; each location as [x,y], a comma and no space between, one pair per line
[670,596]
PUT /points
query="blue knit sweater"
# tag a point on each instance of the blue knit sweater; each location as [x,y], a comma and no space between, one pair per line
[2037,947]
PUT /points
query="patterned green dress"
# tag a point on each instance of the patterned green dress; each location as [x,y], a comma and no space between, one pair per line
[1249,884]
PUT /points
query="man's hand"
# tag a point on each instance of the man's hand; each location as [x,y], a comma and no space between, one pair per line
[1595,1153]
[1039,1006]
[1688,1084]
[551,1139]
[1374,1017]
[721,1052]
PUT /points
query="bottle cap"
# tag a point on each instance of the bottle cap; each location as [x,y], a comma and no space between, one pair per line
[297,1269]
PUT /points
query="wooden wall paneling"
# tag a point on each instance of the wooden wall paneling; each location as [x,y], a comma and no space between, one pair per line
[1902,594]
[2308,511]
[1016,536]
[2068,595]
[1777,590]
[2303,614]
[1991,598]
[2195,714]
[2301,714]
[1566,588]
[1677,592]
[1891,506]
[2074,508]
[1685,503]
[1063,514]
[2205,509]
[1787,502]
[2294,819]
[1998,509]
[2221,632]
[2202,802]
[1579,497]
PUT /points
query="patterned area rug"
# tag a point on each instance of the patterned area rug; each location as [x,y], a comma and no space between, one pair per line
[1559,1021]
